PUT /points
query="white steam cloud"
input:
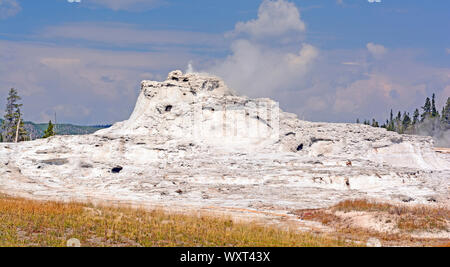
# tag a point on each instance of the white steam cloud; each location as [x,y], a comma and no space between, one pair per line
[264,57]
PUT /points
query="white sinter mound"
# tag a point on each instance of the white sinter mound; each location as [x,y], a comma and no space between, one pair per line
[191,141]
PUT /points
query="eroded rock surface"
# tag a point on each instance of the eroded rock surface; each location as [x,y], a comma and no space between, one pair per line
[191,141]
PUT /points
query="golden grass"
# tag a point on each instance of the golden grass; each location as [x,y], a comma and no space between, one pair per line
[33,223]
[361,205]
[407,219]
[416,218]
[444,245]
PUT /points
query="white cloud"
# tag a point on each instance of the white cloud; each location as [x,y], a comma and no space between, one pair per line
[326,85]
[74,1]
[333,85]
[374,1]
[351,63]
[119,34]
[130,5]
[96,86]
[275,18]
[256,66]
[259,71]
[376,94]
[59,62]
[370,88]
[376,50]
[9,8]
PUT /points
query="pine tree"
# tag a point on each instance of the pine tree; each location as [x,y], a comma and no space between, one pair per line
[416,116]
[430,122]
[445,119]
[375,123]
[390,124]
[49,132]
[406,121]
[434,112]
[426,109]
[357,121]
[13,119]
[398,123]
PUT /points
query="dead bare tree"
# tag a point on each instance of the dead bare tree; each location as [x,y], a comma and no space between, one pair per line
[17,130]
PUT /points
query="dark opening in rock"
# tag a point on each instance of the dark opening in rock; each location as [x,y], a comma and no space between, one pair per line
[169,108]
[300,147]
[86,165]
[407,199]
[263,121]
[316,140]
[117,169]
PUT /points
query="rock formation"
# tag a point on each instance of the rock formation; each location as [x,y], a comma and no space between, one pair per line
[191,141]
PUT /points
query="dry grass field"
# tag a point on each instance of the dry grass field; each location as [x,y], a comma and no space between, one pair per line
[26,223]
[34,223]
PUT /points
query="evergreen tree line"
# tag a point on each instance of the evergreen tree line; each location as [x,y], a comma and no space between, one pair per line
[12,127]
[426,121]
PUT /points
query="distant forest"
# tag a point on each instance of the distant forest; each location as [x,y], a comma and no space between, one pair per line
[427,121]
[36,130]
[14,129]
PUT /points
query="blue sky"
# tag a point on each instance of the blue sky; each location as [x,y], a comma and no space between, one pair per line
[323,60]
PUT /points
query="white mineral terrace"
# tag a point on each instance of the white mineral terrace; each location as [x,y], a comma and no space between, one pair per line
[192,142]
